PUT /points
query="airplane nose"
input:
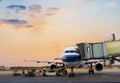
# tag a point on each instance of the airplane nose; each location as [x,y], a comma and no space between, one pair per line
[71,58]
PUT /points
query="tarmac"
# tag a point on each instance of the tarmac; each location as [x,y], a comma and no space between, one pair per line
[81,76]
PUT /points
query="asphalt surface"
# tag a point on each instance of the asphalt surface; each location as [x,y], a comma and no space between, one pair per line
[106,76]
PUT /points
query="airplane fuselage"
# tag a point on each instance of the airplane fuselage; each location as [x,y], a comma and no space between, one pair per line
[71,57]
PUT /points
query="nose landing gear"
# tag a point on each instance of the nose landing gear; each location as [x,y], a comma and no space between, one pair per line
[71,73]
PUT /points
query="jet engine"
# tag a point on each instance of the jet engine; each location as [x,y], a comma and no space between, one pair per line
[53,66]
[99,67]
[56,65]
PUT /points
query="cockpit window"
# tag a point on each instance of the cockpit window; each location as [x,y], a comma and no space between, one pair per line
[71,51]
[66,51]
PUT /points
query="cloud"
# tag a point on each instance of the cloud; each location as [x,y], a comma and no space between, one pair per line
[111,4]
[35,8]
[29,26]
[20,24]
[40,13]
[13,21]
[38,9]
[36,15]
[16,7]
[51,11]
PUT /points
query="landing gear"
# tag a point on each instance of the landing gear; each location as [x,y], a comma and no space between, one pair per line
[91,70]
[65,73]
[71,73]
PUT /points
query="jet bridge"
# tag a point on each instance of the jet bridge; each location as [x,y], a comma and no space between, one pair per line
[100,50]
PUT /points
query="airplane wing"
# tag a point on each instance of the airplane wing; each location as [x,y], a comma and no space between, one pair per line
[40,61]
[57,58]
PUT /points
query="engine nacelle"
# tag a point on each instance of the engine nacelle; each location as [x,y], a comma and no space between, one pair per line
[99,67]
[56,65]
[53,66]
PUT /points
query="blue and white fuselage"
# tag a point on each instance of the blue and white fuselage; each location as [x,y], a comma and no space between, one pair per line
[71,57]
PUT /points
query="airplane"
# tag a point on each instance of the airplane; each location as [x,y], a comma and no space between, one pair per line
[71,58]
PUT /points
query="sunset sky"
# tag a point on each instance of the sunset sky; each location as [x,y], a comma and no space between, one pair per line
[41,29]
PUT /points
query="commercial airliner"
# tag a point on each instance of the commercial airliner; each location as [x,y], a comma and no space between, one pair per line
[71,58]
